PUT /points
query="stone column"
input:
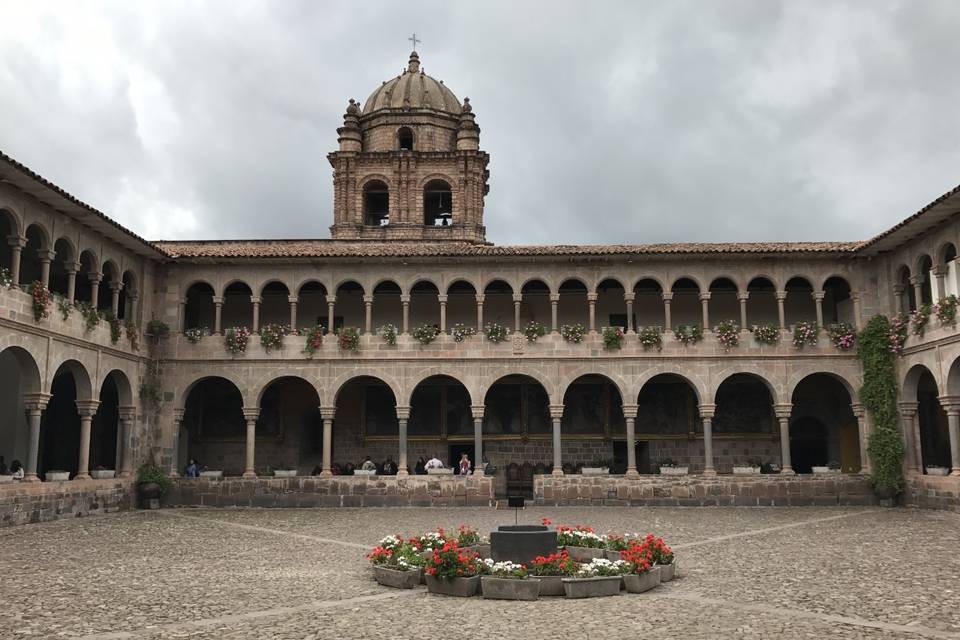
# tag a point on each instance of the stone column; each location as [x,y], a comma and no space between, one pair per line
[293,301]
[255,301]
[127,416]
[903,303]
[706,416]
[705,310]
[327,413]
[742,297]
[863,434]
[442,298]
[71,268]
[554,304]
[630,415]
[781,314]
[115,288]
[132,298]
[783,412]
[331,304]
[477,412]
[87,409]
[217,315]
[403,467]
[592,303]
[908,411]
[368,313]
[95,279]
[517,300]
[953,424]
[405,301]
[556,415]
[917,282]
[46,257]
[857,315]
[16,248]
[250,414]
[667,321]
[818,297]
[628,298]
[175,456]
[480,298]
[35,404]
[940,273]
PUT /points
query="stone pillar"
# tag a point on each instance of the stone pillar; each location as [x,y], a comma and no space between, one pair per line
[368,313]
[480,298]
[857,314]
[818,301]
[95,279]
[781,314]
[783,412]
[592,303]
[477,412]
[706,416]
[705,310]
[87,409]
[46,257]
[442,298]
[630,415]
[127,416]
[331,304]
[250,414]
[115,288]
[16,248]
[863,434]
[742,297]
[917,282]
[628,298]
[175,456]
[953,424]
[35,403]
[71,268]
[903,303]
[327,413]
[556,415]
[403,466]
[908,411]
[517,300]
[255,301]
[217,315]
[667,321]
[293,300]
[405,301]
[940,273]
[554,304]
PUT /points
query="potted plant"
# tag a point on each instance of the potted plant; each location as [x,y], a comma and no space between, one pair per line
[348,338]
[196,334]
[495,332]
[934,470]
[766,333]
[470,539]
[616,544]
[946,311]
[152,484]
[56,475]
[748,468]
[211,474]
[451,571]
[644,574]
[573,332]
[271,336]
[651,338]
[533,330]
[235,340]
[581,542]
[508,581]
[688,334]
[805,334]
[550,571]
[425,333]
[389,333]
[430,542]
[662,556]
[283,471]
[599,577]
[668,467]
[919,318]
[843,335]
[398,565]
[832,467]
[102,473]
[461,332]
[599,467]
[612,337]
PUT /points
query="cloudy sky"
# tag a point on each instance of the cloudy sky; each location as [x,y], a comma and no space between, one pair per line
[629,122]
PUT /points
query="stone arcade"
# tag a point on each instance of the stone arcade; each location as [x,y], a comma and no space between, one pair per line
[408,249]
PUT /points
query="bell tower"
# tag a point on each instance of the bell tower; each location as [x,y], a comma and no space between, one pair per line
[409,166]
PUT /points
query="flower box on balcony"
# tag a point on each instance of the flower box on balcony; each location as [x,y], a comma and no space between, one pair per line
[440,472]
[937,471]
[824,471]
[365,472]
[284,473]
[746,471]
[673,471]
[103,474]
[595,471]
[56,476]
[211,474]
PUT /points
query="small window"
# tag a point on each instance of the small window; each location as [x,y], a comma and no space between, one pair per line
[405,139]
[376,204]
[437,204]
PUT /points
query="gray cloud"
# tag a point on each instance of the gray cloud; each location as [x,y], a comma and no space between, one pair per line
[630,122]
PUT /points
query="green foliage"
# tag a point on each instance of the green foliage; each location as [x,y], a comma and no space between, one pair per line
[879,396]
[158,329]
[116,327]
[153,473]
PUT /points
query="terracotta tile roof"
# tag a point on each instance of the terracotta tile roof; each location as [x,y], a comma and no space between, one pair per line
[908,221]
[342,249]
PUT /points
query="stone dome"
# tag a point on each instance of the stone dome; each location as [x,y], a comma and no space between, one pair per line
[413,90]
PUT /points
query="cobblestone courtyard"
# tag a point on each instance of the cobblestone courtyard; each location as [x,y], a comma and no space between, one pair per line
[301,574]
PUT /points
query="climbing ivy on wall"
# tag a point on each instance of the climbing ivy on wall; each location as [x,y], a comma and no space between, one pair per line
[879,396]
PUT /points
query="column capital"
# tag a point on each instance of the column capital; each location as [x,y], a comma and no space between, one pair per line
[898,289]
[629,296]
[178,415]
[818,295]
[87,408]
[780,295]
[743,296]
[556,411]
[46,256]
[517,298]
[858,409]
[217,299]
[94,277]
[939,270]
[405,298]
[251,413]
[704,296]
[630,410]
[255,299]
[293,299]
[442,298]
[950,403]
[328,413]
[331,299]
[403,413]
[36,401]
[917,279]
[783,410]
[479,297]
[72,267]
[907,409]
[477,411]
[116,286]
[592,296]
[554,298]
[707,411]
[666,296]
[127,412]
[367,298]
[17,242]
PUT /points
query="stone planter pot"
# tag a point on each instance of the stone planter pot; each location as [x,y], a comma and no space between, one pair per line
[673,471]
[822,471]
[938,471]
[591,587]
[668,571]
[439,472]
[459,587]
[366,473]
[56,476]
[584,554]
[610,554]
[746,471]
[103,474]
[494,588]
[284,473]
[396,578]
[595,471]
[638,583]
[6,479]
[211,474]
[550,585]
[482,550]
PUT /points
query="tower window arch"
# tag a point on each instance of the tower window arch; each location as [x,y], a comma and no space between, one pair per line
[376,204]
[437,204]
[405,139]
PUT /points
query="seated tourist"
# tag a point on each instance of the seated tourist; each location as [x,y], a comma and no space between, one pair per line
[420,467]
[368,464]
[3,467]
[488,467]
[463,468]
[433,463]
[335,469]
[17,470]
[192,470]
[389,467]
[348,469]
[316,471]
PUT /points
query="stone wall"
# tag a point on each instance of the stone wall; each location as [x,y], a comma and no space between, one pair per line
[27,503]
[933,492]
[764,490]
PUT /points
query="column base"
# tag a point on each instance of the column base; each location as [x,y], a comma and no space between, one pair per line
[249,474]
[556,472]
[403,473]
[31,477]
[173,474]
[82,476]
[788,471]
[478,473]
[710,472]
[329,474]
[632,472]
[125,475]
[955,471]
